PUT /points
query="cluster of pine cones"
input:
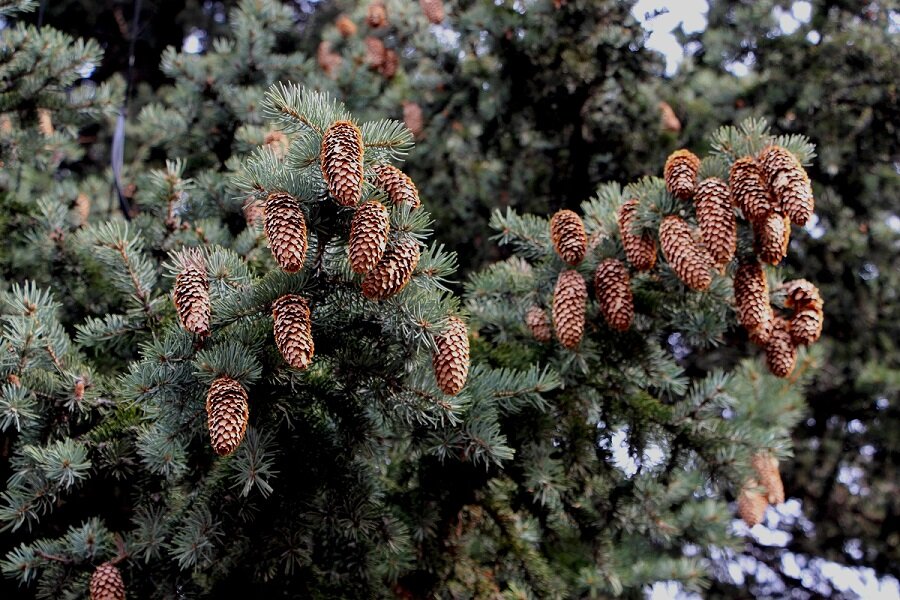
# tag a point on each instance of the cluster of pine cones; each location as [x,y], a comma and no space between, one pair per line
[757,494]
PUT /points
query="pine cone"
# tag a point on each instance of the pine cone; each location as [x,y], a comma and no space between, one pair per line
[293,330]
[690,261]
[376,14]
[389,66]
[253,212]
[45,122]
[752,504]
[191,295]
[433,9]
[667,118]
[342,162]
[789,182]
[802,295]
[613,288]
[681,173]
[451,359]
[329,60]
[227,413]
[285,227]
[749,190]
[82,208]
[639,249]
[772,238]
[393,272]
[567,233]
[413,119]
[569,304]
[751,298]
[106,583]
[375,52]
[806,326]
[781,353]
[766,467]
[368,236]
[538,323]
[397,184]
[345,26]
[715,216]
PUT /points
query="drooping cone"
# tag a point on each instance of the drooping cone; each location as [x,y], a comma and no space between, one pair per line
[806,326]
[191,295]
[667,118]
[397,184]
[368,236]
[771,238]
[569,303]
[227,413]
[390,64]
[376,14]
[752,504]
[451,359]
[293,330]
[433,9]
[82,208]
[751,299]
[766,467]
[538,323]
[285,227]
[781,353]
[345,26]
[253,212]
[681,173]
[789,182]
[640,249]
[375,52]
[715,216]
[45,122]
[393,272]
[106,583]
[342,162]
[690,260]
[329,60]
[802,295]
[413,119]
[613,288]
[567,234]
[749,190]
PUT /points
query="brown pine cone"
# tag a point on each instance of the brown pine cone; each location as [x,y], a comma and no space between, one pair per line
[749,190]
[569,304]
[106,583]
[806,326]
[613,288]
[413,119]
[433,9]
[253,212]
[772,238]
[345,26]
[329,60]
[82,208]
[285,227]
[690,261]
[376,14]
[191,295]
[766,467]
[227,413]
[681,173]
[781,353]
[393,272]
[45,122]
[567,234]
[451,359]
[715,216]
[368,236]
[751,299]
[293,330]
[375,52]
[342,162]
[389,66]
[667,118]
[802,295]
[752,504]
[789,182]
[639,249]
[538,323]
[397,184]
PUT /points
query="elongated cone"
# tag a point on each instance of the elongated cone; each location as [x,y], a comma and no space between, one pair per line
[766,467]
[451,359]
[227,413]
[413,118]
[329,60]
[393,272]
[399,187]
[789,182]
[690,260]
[569,304]
[191,295]
[345,26]
[538,323]
[106,583]
[376,52]
[293,330]
[752,504]
[285,227]
[433,9]
[751,299]
[806,326]
[781,353]
[368,236]
[567,234]
[342,162]
[771,238]
[680,173]
[802,295]
[715,216]
[749,189]
[639,249]
[613,288]
[376,14]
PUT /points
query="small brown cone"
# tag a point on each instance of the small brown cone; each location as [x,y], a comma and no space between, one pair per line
[368,236]
[715,216]
[375,52]
[389,66]
[393,272]
[789,182]
[397,184]
[766,467]
[191,295]
[567,234]
[342,162]
[668,119]
[413,119]
[106,583]
[639,249]
[569,304]
[802,295]
[376,14]
[45,122]
[253,212]
[749,190]
[345,26]
[293,330]
[781,353]
[538,323]
[613,288]
[82,208]
[690,261]
[752,504]
[451,359]
[433,9]
[751,299]
[680,173]
[329,60]
[285,228]
[227,413]
[771,238]
[806,326]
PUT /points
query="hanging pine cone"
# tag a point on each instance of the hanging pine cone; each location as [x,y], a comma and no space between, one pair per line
[802,295]
[749,190]
[771,238]
[613,288]
[375,52]
[329,60]
[538,323]
[567,234]
[368,236]
[342,162]
[191,294]
[752,504]
[639,249]
[451,359]
[766,467]
[285,227]
[806,326]
[751,298]
[106,583]
[227,413]
[399,187]
[393,272]
[376,14]
[715,216]
[569,304]
[681,173]
[45,122]
[293,330]
[789,182]
[690,261]
[253,212]
[389,66]
[413,119]
[345,26]
[82,208]
[781,353]
[433,9]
